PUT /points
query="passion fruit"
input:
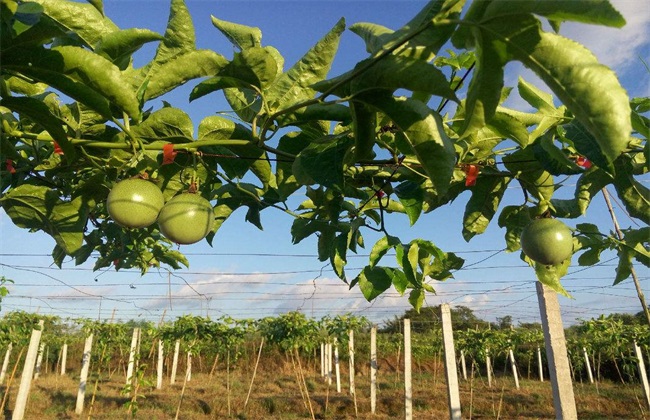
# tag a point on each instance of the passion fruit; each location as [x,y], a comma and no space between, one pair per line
[547,241]
[186,218]
[134,203]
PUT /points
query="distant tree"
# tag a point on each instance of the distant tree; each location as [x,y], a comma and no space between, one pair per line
[429,318]
[504,322]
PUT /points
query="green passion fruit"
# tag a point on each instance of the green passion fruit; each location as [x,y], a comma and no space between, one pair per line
[134,203]
[547,241]
[186,218]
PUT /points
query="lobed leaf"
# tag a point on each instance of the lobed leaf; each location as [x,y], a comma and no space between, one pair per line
[241,36]
[39,208]
[39,113]
[78,73]
[85,20]
[598,12]
[293,86]
[424,131]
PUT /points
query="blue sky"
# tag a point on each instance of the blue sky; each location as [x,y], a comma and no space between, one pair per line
[250,273]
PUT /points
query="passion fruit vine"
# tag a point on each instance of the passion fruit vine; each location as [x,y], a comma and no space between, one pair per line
[186,218]
[134,203]
[547,241]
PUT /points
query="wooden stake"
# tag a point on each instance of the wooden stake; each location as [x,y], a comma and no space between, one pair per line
[257,362]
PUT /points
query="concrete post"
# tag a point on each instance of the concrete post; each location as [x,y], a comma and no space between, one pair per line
[556,353]
[453,393]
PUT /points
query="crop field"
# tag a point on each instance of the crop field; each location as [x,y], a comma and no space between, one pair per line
[277,395]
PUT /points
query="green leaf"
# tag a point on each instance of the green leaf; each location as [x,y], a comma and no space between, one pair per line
[552,159]
[482,206]
[373,281]
[509,127]
[97,4]
[550,275]
[536,97]
[381,247]
[79,73]
[364,125]
[39,208]
[219,128]
[375,36]
[38,112]
[589,184]
[484,91]
[598,12]
[634,195]
[82,19]
[424,131]
[179,39]
[119,46]
[416,299]
[532,175]
[323,162]
[183,68]
[293,86]
[514,219]
[399,72]
[411,196]
[421,37]
[338,259]
[241,36]
[167,124]
[589,89]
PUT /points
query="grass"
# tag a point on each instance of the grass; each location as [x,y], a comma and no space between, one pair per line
[276,395]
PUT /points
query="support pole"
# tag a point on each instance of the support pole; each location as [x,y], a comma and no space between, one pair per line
[64,358]
[134,345]
[642,373]
[337,368]
[5,363]
[588,365]
[373,369]
[453,393]
[161,360]
[408,385]
[463,365]
[513,366]
[540,366]
[83,377]
[556,353]
[28,372]
[177,349]
[39,361]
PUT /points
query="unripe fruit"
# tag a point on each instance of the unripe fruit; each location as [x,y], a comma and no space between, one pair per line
[186,218]
[134,203]
[547,241]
